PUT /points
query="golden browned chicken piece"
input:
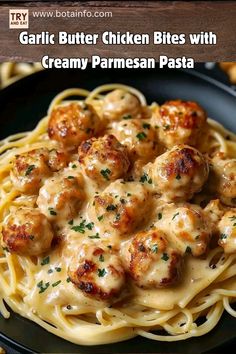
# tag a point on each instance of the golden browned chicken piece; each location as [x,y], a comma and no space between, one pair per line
[27,232]
[73,123]
[179,122]
[227,231]
[104,159]
[188,227]
[61,196]
[121,207]
[178,173]
[120,104]
[151,261]
[97,271]
[138,136]
[222,181]
[30,169]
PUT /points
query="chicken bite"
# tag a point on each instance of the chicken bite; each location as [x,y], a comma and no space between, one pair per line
[61,196]
[179,122]
[151,261]
[97,272]
[121,207]
[120,104]
[27,232]
[104,159]
[178,173]
[73,123]
[227,231]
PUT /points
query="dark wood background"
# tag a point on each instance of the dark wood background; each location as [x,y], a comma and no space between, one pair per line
[138,17]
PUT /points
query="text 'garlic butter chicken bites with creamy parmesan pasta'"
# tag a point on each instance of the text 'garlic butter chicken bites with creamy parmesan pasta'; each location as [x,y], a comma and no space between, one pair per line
[118,217]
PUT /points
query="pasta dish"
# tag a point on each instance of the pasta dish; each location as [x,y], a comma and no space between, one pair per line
[118,218]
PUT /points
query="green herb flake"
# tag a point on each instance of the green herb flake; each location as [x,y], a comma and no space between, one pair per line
[109,246]
[50,271]
[42,287]
[71,222]
[188,250]
[105,173]
[178,177]
[101,272]
[90,226]
[146,125]
[30,168]
[155,248]
[166,127]
[101,258]
[174,216]
[70,177]
[145,178]
[56,283]
[94,236]
[79,228]
[51,211]
[141,136]
[31,237]
[165,257]
[74,165]
[68,280]
[100,217]
[223,236]
[127,116]
[159,216]
[58,269]
[45,261]
[129,194]
[111,207]
[5,249]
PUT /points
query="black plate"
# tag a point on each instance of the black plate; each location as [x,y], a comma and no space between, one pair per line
[26,101]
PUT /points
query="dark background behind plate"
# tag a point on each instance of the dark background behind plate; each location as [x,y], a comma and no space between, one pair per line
[26,101]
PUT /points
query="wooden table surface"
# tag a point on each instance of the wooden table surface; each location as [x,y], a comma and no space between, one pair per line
[137,17]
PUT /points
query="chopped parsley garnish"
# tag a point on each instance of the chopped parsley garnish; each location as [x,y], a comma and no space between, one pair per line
[109,246]
[70,177]
[31,237]
[165,257]
[71,222]
[146,126]
[166,127]
[100,217]
[233,218]
[155,248]
[117,217]
[145,178]
[127,116]
[178,177]
[51,211]
[141,136]
[101,258]
[30,168]
[223,236]
[188,250]
[5,249]
[68,280]
[94,236]
[101,272]
[79,228]
[159,216]
[56,283]
[74,165]
[45,261]
[42,287]
[69,307]
[174,216]
[129,194]
[90,226]
[105,173]
[111,207]
[123,201]
[58,269]
[50,271]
